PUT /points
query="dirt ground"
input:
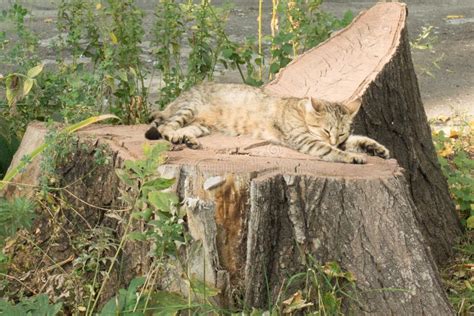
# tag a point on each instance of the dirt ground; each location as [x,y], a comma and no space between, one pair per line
[446,90]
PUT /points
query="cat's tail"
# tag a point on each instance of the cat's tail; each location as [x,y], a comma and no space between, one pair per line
[152,133]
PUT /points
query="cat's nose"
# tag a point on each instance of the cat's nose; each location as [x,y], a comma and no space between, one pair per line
[333,141]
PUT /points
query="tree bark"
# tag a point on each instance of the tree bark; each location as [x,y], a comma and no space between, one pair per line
[254,209]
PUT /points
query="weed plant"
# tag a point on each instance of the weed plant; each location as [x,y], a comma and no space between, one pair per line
[456,157]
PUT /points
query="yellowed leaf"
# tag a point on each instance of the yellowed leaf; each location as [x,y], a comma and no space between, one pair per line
[9,243]
[446,151]
[295,303]
[454,17]
[454,134]
[471,125]
[443,118]
[98,6]
[35,71]
[27,85]
[48,20]
[296,296]
[468,285]
[113,38]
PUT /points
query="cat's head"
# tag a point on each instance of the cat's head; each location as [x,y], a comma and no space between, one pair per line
[330,121]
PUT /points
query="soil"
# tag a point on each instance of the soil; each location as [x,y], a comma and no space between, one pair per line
[445,73]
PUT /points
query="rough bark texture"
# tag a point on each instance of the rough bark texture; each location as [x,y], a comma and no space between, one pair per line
[405,128]
[254,209]
[371,60]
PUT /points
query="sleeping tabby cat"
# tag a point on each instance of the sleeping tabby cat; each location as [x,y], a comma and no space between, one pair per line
[311,126]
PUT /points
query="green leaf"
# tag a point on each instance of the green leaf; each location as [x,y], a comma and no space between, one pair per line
[203,289]
[274,68]
[167,303]
[135,284]
[227,53]
[330,302]
[287,48]
[348,17]
[137,167]
[133,72]
[123,75]
[125,177]
[162,200]
[136,236]
[157,150]
[36,305]
[27,85]
[33,72]
[159,184]
[125,301]
[470,222]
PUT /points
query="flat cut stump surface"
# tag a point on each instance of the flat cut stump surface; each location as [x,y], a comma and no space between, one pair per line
[224,154]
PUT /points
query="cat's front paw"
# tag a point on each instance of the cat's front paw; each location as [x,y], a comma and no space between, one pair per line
[377,149]
[192,143]
[381,151]
[356,159]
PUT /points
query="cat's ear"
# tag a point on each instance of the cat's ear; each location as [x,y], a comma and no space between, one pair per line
[316,104]
[353,106]
[308,106]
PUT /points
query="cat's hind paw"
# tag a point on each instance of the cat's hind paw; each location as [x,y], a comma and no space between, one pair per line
[156,117]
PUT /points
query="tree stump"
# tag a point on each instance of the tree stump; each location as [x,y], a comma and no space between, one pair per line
[253,208]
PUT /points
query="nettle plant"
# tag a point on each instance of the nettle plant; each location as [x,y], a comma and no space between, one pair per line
[298,25]
[110,34]
[201,27]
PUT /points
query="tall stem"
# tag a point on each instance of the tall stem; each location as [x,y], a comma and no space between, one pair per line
[260,37]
